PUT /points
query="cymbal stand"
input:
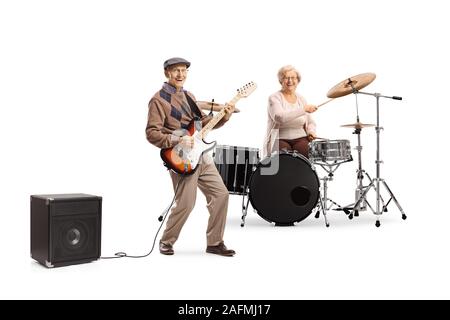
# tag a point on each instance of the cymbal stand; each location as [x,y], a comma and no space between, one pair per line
[375,183]
[360,173]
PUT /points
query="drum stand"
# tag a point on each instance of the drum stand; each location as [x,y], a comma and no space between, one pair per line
[323,201]
[245,194]
[244,208]
[375,183]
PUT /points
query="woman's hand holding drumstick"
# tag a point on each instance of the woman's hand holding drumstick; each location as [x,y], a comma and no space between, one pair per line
[311,108]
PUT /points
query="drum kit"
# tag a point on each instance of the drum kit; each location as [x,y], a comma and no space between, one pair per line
[284,188]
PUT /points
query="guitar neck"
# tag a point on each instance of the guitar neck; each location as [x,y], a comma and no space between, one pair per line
[212,123]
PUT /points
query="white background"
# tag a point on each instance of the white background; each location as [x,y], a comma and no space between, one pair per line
[75,80]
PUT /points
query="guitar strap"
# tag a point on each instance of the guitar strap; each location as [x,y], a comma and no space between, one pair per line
[194,108]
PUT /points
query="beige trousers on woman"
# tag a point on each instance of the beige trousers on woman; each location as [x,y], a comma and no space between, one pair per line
[208,180]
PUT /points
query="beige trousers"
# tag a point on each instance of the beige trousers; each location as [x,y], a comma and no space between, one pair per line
[208,180]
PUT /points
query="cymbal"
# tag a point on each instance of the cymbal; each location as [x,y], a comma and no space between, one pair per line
[358,125]
[345,87]
[206,105]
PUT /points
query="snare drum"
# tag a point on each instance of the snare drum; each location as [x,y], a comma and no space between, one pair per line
[235,166]
[329,150]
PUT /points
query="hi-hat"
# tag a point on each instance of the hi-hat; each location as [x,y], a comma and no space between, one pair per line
[346,87]
[206,105]
[358,125]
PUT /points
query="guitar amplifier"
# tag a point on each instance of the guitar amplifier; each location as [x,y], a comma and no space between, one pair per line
[65,228]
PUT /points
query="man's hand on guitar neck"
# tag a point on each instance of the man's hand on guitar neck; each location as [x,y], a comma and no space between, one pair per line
[229,109]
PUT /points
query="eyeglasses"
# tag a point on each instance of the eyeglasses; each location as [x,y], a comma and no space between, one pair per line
[290,78]
[177,70]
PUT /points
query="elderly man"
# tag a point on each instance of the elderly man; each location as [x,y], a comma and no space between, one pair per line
[171,109]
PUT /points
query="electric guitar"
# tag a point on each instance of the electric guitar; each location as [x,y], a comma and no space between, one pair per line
[185,160]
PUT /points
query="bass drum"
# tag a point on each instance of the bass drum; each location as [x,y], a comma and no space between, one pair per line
[284,188]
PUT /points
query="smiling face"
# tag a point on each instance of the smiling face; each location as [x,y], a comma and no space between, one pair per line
[290,81]
[176,75]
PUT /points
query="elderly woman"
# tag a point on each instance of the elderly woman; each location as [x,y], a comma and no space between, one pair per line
[290,125]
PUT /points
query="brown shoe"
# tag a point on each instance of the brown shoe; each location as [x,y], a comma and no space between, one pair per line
[220,249]
[166,249]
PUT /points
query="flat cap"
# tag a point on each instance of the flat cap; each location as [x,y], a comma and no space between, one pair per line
[174,61]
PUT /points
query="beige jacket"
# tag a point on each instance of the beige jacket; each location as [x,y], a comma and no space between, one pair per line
[168,114]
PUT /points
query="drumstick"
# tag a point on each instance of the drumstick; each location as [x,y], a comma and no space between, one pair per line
[319,138]
[325,102]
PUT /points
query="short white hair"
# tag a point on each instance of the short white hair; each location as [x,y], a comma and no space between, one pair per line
[283,70]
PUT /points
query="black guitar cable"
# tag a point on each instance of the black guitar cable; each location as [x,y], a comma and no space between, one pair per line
[161,219]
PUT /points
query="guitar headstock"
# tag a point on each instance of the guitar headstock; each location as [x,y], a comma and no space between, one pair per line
[247,89]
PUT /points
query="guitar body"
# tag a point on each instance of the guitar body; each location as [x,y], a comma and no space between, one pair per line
[185,161]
